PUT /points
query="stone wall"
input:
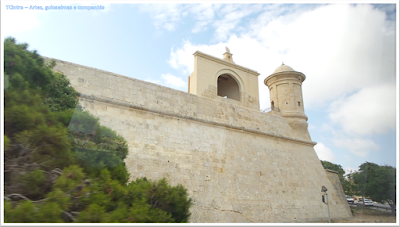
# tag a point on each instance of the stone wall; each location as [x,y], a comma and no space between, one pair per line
[337,195]
[207,69]
[238,164]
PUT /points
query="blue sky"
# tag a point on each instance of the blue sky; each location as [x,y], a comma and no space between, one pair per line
[347,52]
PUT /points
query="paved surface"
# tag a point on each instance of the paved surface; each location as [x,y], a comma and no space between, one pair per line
[379,206]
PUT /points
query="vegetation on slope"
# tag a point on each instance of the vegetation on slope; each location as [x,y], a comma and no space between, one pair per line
[60,164]
[371,180]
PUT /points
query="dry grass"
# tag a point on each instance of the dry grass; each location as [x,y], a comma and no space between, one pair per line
[367,215]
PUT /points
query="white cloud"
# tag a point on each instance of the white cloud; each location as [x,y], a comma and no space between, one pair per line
[222,17]
[233,16]
[200,26]
[204,14]
[357,146]
[349,170]
[173,81]
[324,153]
[165,16]
[182,58]
[371,110]
[15,21]
[340,48]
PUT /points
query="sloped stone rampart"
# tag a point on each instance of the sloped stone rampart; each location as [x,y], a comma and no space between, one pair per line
[238,164]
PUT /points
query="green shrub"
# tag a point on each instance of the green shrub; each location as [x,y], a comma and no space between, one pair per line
[72,176]
[93,214]
[142,212]
[24,212]
[6,142]
[61,95]
[33,181]
[49,212]
[58,196]
[71,162]
[159,194]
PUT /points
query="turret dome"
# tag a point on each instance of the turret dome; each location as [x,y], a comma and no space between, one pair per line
[283,68]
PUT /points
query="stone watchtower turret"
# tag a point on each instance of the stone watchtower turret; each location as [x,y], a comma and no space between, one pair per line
[287,98]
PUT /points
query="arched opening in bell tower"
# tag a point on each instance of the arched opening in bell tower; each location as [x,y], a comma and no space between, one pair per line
[228,87]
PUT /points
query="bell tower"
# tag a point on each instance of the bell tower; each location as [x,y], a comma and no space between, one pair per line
[224,80]
[286,97]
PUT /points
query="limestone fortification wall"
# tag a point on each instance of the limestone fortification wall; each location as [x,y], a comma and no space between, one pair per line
[238,164]
[337,194]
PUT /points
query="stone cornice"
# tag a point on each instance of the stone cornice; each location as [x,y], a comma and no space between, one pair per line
[295,115]
[220,61]
[332,171]
[289,75]
[181,116]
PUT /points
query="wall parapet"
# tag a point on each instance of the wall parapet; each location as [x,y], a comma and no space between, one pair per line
[332,171]
[171,114]
[141,94]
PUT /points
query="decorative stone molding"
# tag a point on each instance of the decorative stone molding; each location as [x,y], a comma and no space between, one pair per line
[276,77]
[220,61]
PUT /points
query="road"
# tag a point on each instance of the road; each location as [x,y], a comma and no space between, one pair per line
[379,206]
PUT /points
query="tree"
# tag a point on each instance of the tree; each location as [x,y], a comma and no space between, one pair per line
[351,187]
[335,167]
[338,168]
[60,164]
[377,182]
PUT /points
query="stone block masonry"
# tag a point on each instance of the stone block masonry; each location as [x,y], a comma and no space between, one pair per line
[238,164]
